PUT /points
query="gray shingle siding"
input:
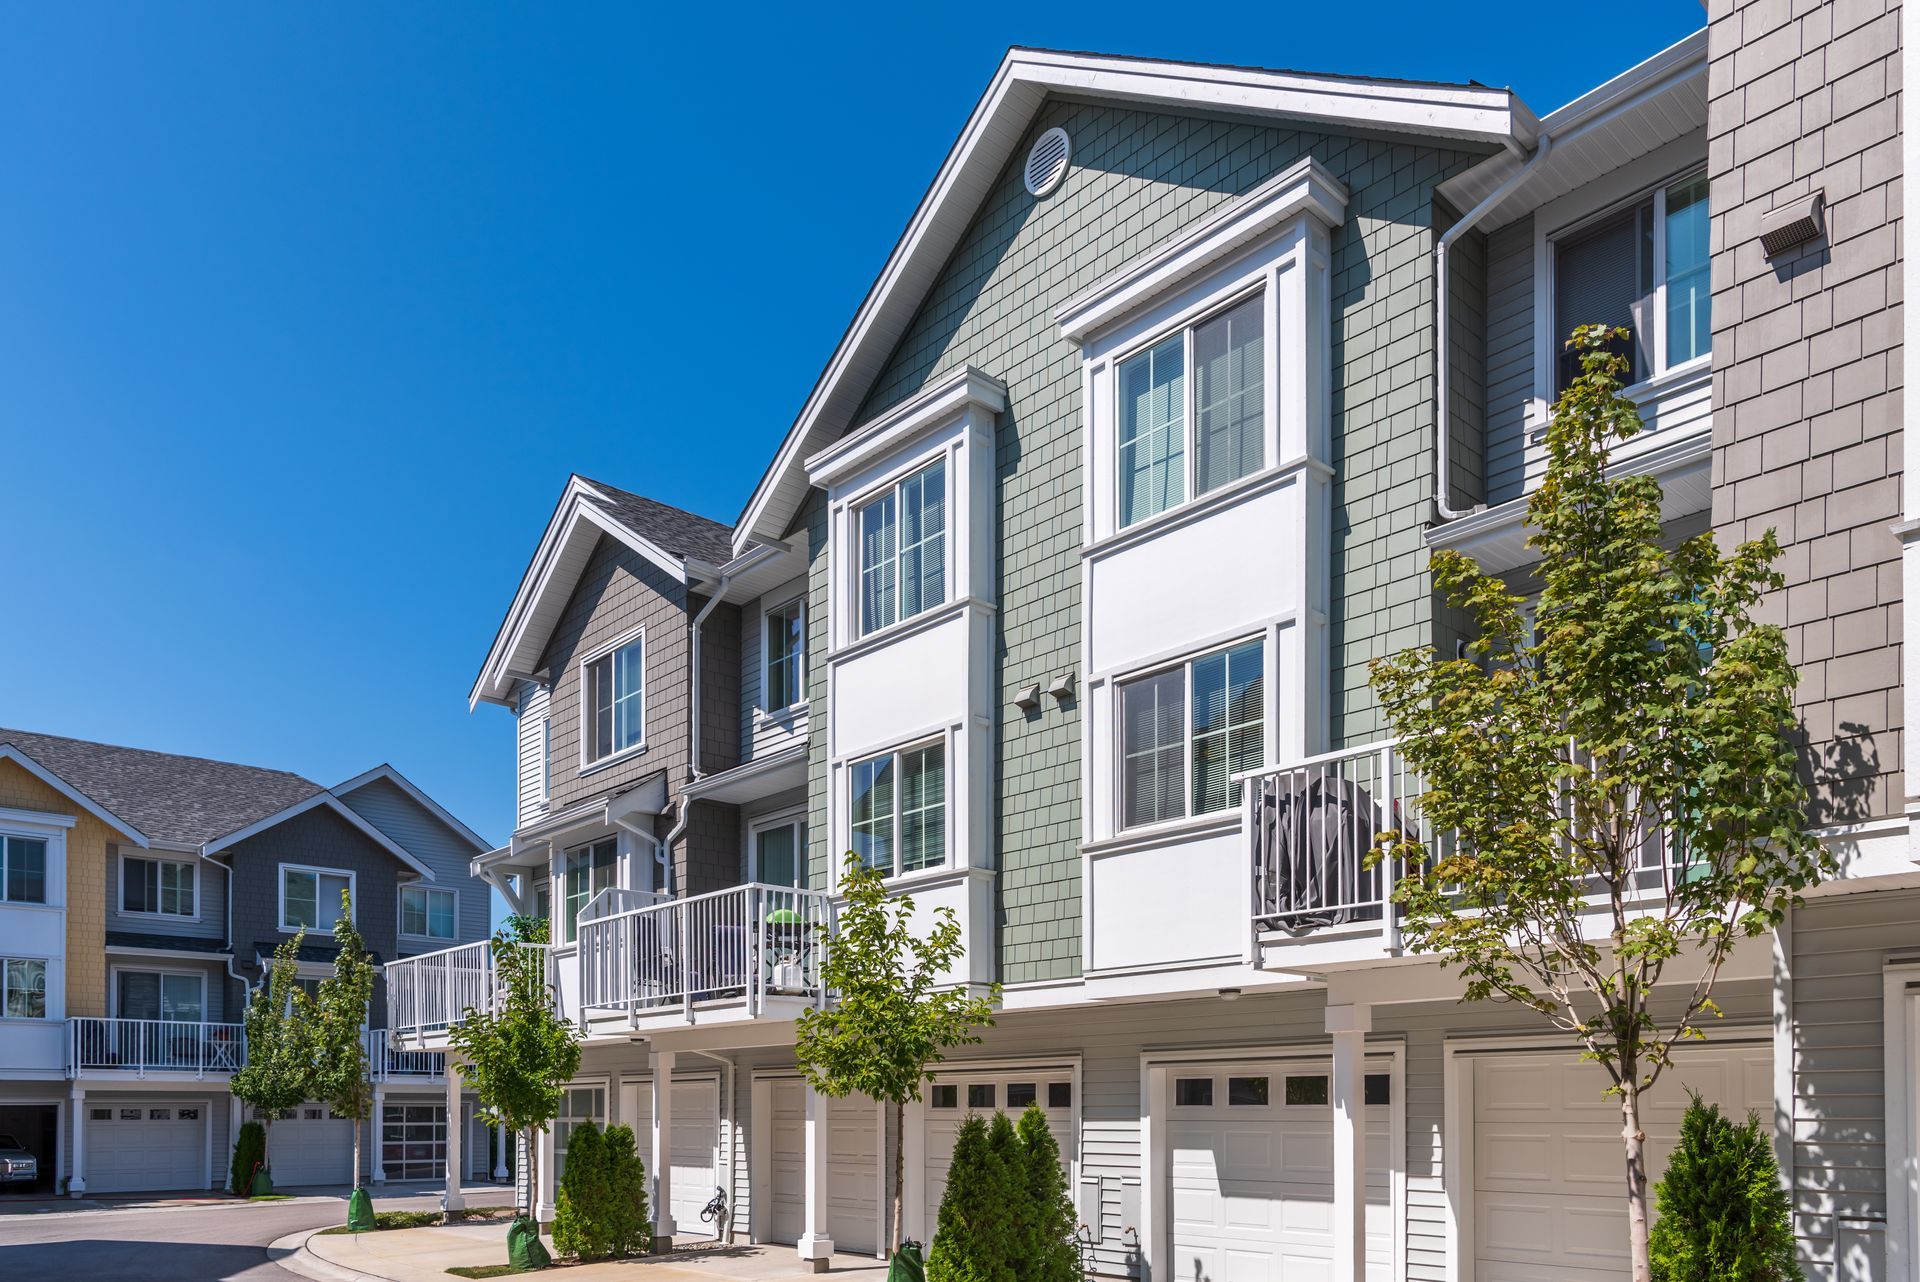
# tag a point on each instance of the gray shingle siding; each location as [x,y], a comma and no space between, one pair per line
[387,807]
[1137,178]
[210,922]
[1509,357]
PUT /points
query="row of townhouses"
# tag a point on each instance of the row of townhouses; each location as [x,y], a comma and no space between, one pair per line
[140,895]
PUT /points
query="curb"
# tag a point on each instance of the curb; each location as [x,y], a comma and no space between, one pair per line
[291,1254]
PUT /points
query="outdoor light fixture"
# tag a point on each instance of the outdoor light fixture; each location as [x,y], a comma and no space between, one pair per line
[1229,994]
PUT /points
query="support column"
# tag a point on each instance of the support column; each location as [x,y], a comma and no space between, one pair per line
[1349,1026]
[236,1117]
[77,1162]
[548,1176]
[453,1201]
[816,1243]
[378,1128]
[662,1168]
[499,1151]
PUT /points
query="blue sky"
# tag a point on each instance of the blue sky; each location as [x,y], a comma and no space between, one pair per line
[306,311]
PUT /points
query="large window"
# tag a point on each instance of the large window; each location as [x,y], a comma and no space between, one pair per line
[903,549]
[786,665]
[778,853]
[159,886]
[152,994]
[25,879]
[413,1141]
[578,1104]
[899,808]
[1187,730]
[613,694]
[23,987]
[589,870]
[426,912]
[1181,435]
[310,898]
[1643,269]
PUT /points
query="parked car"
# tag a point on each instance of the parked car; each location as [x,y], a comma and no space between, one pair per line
[17,1166]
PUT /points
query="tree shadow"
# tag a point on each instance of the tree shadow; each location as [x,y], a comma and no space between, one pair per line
[1841,775]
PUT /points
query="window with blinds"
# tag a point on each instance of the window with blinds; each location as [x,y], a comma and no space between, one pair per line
[1186,731]
[899,809]
[903,549]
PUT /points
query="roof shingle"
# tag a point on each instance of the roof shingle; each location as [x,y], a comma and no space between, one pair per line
[680,532]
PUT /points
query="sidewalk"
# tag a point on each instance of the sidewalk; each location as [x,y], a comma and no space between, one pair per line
[476,1195]
[424,1255]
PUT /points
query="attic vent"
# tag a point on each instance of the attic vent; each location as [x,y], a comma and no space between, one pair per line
[1047,162]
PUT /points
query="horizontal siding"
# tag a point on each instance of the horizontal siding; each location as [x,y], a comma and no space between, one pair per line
[761,734]
[1509,357]
[528,720]
[211,900]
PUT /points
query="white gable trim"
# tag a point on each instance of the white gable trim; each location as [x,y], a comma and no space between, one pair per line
[340,808]
[1024,81]
[406,785]
[10,753]
[900,425]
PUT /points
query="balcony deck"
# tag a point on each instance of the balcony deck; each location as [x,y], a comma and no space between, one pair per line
[181,1050]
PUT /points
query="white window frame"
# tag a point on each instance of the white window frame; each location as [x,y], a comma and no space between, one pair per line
[113,986]
[795,819]
[120,899]
[601,1120]
[546,758]
[46,979]
[1219,305]
[429,892]
[891,488]
[766,655]
[353,892]
[948,858]
[588,762]
[1269,717]
[51,861]
[568,936]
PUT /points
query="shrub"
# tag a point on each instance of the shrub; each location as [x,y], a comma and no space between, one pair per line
[1723,1215]
[1051,1251]
[978,1236]
[629,1226]
[249,1151]
[579,1223]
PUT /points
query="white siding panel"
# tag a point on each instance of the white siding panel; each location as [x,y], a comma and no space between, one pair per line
[530,719]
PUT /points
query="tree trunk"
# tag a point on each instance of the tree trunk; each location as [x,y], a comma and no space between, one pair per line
[1636,1145]
[899,1111]
[356,1152]
[266,1149]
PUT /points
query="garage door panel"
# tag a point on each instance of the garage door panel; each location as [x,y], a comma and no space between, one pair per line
[787,1161]
[145,1147]
[1052,1090]
[692,1154]
[311,1148]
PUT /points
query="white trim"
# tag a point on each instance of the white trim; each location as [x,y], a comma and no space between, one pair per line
[1260,639]
[786,602]
[353,895]
[948,862]
[8,752]
[794,817]
[53,865]
[406,785]
[113,990]
[635,636]
[1900,991]
[120,887]
[899,427]
[854,624]
[400,912]
[339,807]
[50,965]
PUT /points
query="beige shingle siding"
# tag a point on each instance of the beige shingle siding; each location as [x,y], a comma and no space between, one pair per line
[1806,384]
[86,891]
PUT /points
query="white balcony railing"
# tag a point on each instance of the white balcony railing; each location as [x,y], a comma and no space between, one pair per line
[745,943]
[385,1061]
[142,1046]
[1309,827]
[433,991]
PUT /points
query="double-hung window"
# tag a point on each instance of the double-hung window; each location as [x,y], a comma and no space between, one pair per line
[159,886]
[903,549]
[23,988]
[778,853]
[786,650]
[589,870]
[1643,269]
[1182,434]
[1187,730]
[613,694]
[426,912]
[899,809]
[23,880]
[310,898]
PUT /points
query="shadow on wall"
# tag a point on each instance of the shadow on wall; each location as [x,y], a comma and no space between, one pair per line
[1842,775]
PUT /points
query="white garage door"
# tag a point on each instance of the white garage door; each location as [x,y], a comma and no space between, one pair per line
[311,1148]
[853,1169]
[786,1209]
[1547,1161]
[146,1147]
[696,1145]
[1250,1184]
[952,1096]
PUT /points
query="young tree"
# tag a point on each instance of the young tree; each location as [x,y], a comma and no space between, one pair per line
[519,1056]
[975,1240]
[1051,1254]
[1723,1215]
[279,1072]
[580,1228]
[629,1226]
[1617,782]
[339,1028]
[891,1018]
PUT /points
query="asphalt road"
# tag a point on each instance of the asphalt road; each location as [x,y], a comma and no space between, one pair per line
[206,1242]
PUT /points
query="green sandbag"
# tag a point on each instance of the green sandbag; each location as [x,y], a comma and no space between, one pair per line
[262,1185]
[360,1211]
[906,1265]
[524,1248]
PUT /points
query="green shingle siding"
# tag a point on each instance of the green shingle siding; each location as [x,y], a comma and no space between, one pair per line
[1137,178]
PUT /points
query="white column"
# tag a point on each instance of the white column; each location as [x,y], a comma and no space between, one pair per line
[499,1152]
[816,1244]
[661,1201]
[1349,1025]
[77,1164]
[547,1175]
[453,1201]
[236,1118]
[378,1128]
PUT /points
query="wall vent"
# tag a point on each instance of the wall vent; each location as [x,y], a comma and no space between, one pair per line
[1794,223]
[1047,162]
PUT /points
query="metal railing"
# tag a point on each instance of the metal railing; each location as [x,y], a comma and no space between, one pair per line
[747,942]
[385,1061]
[434,991]
[142,1046]
[1310,826]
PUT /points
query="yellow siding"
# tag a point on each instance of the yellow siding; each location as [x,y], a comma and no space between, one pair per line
[86,886]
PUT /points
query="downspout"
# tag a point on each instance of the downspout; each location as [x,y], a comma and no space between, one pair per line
[665,854]
[246,987]
[1442,429]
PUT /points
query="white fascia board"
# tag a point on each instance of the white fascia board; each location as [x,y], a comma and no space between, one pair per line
[897,427]
[340,808]
[1018,88]
[1684,55]
[1304,187]
[9,752]
[406,785]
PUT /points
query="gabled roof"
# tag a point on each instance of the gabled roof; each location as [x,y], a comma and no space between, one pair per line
[1026,78]
[160,796]
[685,546]
[406,785]
[323,799]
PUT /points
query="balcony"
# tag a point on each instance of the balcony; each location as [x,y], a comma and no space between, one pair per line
[744,953]
[388,1063]
[141,1048]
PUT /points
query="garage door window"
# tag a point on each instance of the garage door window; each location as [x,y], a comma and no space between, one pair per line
[1379,1089]
[1059,1094]
[413,1141]
[100,1115]
[1306,1092]
[1193,1092]
[582,1104]
[187,1114]
[1021,1094]
[1249,1092]
[946,1097]
[980,1095]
